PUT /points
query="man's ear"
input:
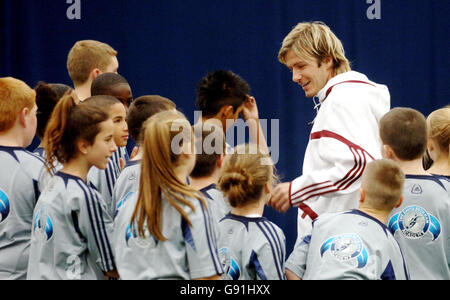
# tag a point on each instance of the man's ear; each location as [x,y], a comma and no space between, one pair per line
[328,62]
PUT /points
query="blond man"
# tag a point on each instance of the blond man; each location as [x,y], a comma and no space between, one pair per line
[22,177]
[88,59]
[344,136]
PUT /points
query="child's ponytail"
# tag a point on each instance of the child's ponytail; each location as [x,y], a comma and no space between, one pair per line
[55,129]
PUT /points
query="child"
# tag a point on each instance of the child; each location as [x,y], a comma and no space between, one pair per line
[22,177]
[251,247]
[210,146]
[438,123]
[355,244]
[140,110]
[47,96]
[115,85]
[221,97]
[165,231]
[420,225]
[71,227]
[104,180]
[88,59]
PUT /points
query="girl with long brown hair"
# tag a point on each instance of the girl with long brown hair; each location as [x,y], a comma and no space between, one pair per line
[165,230]
[71,227]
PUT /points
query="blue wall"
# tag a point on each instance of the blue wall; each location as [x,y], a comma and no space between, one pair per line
[165,47]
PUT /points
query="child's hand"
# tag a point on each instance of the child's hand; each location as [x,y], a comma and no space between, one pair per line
[134,152]
[250,109]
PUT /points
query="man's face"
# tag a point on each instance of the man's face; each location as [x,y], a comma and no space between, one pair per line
[308,74]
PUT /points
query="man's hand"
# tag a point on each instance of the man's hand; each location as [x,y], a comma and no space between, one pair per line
[280,197]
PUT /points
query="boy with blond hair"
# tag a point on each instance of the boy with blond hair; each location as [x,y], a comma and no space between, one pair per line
[421,224]
[22,178]
[355,244]
[88,59]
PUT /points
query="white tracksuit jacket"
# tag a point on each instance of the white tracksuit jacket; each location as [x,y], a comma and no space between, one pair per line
[344,139]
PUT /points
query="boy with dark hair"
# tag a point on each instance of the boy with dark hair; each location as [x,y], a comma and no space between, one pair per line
[115,85]
[210,146]
[222,96]
[47,96]
[421,223]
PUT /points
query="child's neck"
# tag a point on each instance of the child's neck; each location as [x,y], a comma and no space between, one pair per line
[83,91]
[441,167]
[380,215]
[256,208]
[182,174]
[11,139]
[199,183]
[76,168]
[412,167]
[138,155]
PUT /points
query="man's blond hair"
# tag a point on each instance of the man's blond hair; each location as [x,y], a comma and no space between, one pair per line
[315,40]
[383,183]
[15,95]
[87,55]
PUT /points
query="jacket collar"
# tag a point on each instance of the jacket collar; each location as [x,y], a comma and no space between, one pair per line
[347,76]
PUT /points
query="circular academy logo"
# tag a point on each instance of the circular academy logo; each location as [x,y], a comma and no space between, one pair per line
[414,222]
[4,206]
[346,247]
[133,239]
[229,264]
[43,225]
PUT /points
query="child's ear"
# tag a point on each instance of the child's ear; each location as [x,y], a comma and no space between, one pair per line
[83,146]
[22,117]
[220,161]
[430,145]
[362,195]
[400,201]
[227,112]
[95,73]
[387,152]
